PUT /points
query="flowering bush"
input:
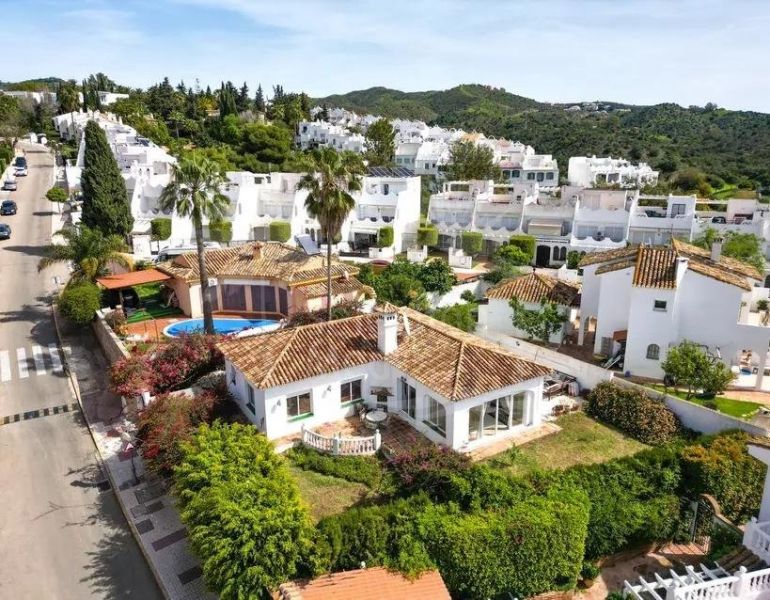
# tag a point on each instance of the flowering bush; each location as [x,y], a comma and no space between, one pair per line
[172,367]
[429,468]
[170,420]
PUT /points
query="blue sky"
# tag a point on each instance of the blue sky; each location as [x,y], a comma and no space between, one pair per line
[641,52]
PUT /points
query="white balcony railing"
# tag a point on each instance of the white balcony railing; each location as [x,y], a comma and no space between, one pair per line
[341,446]
[757,538]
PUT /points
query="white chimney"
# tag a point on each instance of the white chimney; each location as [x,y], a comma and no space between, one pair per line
[387,332]
[716,249]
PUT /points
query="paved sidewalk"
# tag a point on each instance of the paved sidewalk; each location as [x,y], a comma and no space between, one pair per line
[148,507]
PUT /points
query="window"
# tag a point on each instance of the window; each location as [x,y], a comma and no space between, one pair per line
[677,209]
[660,305]
[250,399]
[436,415]
[515,174]
[262,298]
[350,391]
[298,406]
[283,301]
[549,175]
[408,398]
[530,176]
[234,297]
[385,189]
[506,173]
[540,176]
[653,352]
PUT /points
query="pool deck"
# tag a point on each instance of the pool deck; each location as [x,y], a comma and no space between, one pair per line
[151,330]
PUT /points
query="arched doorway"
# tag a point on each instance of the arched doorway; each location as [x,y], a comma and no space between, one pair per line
[543,256]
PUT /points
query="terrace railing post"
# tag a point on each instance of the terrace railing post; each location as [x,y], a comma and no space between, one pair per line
[377,439]
[336,444]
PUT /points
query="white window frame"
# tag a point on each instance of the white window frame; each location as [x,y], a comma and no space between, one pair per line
[432,415]
[250,403]
[657,308]
[653,352]
[350,382]
[411,400]
[295,398]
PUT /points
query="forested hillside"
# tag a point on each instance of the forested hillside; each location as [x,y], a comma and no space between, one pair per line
[730,147]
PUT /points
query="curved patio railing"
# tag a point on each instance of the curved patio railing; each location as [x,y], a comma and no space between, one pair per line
[342,446]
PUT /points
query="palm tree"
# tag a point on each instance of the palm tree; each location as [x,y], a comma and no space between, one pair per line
[330,178]
[88,250]
[194,193]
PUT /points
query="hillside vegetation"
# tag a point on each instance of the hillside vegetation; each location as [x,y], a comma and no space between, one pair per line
[731,147]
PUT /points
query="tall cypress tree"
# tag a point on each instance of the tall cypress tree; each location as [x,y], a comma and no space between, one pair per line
[105,199]
[259,99]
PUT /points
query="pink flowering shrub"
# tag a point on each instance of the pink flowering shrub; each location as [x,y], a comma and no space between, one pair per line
[172,367]
[428,468]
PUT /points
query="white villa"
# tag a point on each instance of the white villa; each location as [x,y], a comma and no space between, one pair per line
[315,134]
[496,314]
[647,299]
[454,388]
[590,171]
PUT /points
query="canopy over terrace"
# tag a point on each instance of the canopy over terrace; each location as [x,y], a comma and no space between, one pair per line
[125,280]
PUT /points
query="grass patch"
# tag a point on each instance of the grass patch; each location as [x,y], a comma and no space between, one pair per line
[581,441]
[147,290]
[741,409]
[359,469]
[153,311]
[327,495]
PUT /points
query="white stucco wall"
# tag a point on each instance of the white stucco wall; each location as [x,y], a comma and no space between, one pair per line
[614,296]
[646,326]
[497,315]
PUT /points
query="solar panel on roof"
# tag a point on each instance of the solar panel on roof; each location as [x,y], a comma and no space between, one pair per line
[390,172]
[308,245]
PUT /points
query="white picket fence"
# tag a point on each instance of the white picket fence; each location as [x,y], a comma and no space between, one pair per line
[342,446]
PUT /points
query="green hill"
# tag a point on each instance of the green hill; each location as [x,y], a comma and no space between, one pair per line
[44,84]
[731,147]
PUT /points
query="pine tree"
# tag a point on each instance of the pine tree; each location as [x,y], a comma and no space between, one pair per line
[259,99]
[226,101]
[243,101]
[105,199]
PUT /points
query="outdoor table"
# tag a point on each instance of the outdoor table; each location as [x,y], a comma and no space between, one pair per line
[376,417]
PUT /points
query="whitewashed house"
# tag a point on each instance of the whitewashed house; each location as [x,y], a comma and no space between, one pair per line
[657,220]
[496,314]
[590,171]
[646,299]
[108,98]
[316,134]
[454,388]
[601,219]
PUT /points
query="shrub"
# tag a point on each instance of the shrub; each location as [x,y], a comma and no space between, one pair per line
[160,229]
[573,259]
[242,510]
[385,237]
[79,301]
[436,276]
[457,315]
[472,242]
[280,231]
[427,236]
[526,243]
[57,194]
[167,422]
[173,367]
[117,321]
[721,466]
[589,571]
[532,547]
[221,231]
[633,412]
[468,296]
[428,468]
[363,469]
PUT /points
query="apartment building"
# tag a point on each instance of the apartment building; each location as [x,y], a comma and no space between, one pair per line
[315,134]
[590,171]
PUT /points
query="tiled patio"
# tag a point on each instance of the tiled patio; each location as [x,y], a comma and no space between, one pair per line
[520,439]
[150,330]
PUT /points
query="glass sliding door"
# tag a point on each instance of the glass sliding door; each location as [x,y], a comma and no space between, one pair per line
[408,399]
[475,418]
[519,402]
[496,416]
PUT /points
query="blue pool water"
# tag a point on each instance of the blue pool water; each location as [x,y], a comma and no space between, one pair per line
[222,326]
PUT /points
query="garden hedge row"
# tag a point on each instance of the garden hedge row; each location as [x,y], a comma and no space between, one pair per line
[160,228]
[362,469]
[427,236]
[385,237]
[527,244]
[633,412]
[280,231]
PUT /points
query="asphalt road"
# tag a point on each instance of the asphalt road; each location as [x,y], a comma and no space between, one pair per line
[61,536]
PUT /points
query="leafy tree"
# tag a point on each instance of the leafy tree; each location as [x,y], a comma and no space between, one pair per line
[105,199]
[688,365]
[12,124]
[380,144]
[427,236]
[469,161]
[330,179]
[89,252]
[67,96]
[527,244]
[745,247]
[573,259]
[472,242]
[385,237]
[540,324]
[79,301]
[457,315]
[402,290]
[194,192]
[436,276]
[242,510]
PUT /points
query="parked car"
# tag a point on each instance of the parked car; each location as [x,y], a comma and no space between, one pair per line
[20,161]
[10,185]
[8,207]
[171,252]
[20,171]
[5,231]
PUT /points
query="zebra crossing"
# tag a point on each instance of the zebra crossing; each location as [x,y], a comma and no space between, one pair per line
[33,361]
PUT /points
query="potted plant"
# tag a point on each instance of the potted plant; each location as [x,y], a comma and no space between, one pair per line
[762,306]
[588,574]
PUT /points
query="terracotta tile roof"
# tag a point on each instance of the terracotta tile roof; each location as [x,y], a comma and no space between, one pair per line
[726,262]
[454,364]
[534,288]
[617,266]
[655,268]
[376,583]
[709,269]
[593,258]
[339,286]
[123,280]
[259,260]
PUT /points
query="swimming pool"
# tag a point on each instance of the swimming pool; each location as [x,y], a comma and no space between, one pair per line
[224,326]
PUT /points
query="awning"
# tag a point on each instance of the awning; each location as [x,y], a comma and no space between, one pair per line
[124,280]
[620,335]
[538,227]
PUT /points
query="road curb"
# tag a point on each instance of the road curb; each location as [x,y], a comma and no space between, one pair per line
[75,388]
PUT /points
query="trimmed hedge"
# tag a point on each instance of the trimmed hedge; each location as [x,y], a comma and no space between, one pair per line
[221,231]
[472,242]
[721,466]
[57,194]
[385,237]
[160,229]
[526,243]
[362,469]
[79,302]
[280,231]
[532,547]
[633,412]
[427,236]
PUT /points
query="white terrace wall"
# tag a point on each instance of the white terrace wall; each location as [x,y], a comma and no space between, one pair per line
[111,345]
[453,296]
[696,417]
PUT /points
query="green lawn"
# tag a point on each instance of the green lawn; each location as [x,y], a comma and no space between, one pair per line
[327,495]
[580,441]
[151,306]
[741,409]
